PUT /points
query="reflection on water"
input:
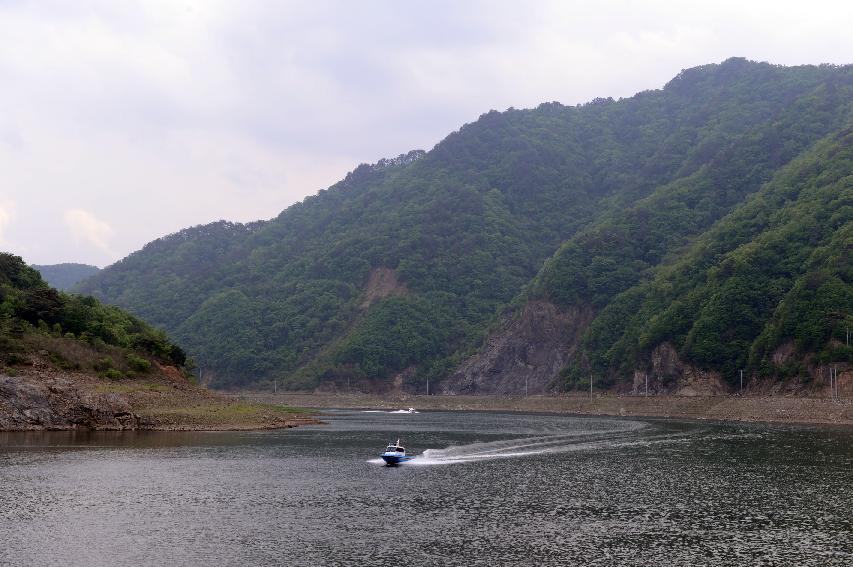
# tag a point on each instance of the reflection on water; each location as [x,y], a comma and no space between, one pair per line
[523,489]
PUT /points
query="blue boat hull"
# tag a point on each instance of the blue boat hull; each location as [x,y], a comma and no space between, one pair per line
[395,459]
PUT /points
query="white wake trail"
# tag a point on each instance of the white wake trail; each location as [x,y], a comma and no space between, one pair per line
[556,442]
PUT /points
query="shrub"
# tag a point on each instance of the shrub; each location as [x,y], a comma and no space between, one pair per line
[104,364]
[62,362]
[113,374]
[14,358]
[138,363]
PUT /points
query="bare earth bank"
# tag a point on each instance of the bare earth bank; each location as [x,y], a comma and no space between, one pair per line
[776,409]
[40,397]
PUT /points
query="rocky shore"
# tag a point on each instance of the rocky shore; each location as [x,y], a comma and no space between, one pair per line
[40,397]
[778,409]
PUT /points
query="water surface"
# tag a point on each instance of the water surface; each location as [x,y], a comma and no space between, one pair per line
[486,489]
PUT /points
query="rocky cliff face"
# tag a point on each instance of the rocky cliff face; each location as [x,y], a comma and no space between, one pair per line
[530,348]
[57,402]
[668,374]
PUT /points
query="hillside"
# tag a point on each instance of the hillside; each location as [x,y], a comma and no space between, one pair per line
[422,266]
[68,362]
[768,289]
[65,276]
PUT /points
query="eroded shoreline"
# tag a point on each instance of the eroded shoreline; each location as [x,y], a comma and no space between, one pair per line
[769,409]
[41,398]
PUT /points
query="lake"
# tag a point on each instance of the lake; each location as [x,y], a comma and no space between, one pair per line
[485,489]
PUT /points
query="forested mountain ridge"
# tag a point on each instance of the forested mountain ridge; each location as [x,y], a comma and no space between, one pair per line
[69,362]
[617,188]
[768,289]
[34,314]
[65,276]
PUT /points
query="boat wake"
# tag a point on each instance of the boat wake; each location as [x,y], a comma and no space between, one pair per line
[410,410]
[628,435]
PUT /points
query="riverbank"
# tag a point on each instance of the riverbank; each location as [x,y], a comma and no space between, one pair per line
[773,409]
[41,397]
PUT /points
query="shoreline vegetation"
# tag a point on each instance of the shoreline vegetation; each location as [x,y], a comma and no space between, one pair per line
[70,362]
[770,409]
[39,398]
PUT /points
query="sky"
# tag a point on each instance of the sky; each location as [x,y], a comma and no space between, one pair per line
[124,121]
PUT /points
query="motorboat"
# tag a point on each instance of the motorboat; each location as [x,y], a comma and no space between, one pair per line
[395,454]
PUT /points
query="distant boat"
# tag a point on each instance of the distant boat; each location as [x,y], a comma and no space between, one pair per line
[395,454]
[410,410]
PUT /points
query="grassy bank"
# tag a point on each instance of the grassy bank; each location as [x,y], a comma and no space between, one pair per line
[37,394]
[164,409]
[777,409]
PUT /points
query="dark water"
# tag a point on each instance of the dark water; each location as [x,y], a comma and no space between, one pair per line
[491,489]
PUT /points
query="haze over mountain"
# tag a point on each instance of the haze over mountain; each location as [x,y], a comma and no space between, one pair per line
[685,232]
[155,116]
[65,276]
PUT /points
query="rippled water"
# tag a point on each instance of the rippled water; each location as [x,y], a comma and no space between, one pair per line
[485,489]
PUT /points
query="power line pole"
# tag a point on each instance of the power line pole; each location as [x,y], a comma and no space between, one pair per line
[590,386]
[741,381]
[427,386]
[836,383]
[275,386]
[831,385]
[526,378]
[647,383]
[833,382]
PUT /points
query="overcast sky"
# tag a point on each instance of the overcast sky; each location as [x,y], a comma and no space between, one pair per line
[123,121]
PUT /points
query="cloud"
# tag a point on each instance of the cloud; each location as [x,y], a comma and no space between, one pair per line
[162,114]
[89,229]
[7,214]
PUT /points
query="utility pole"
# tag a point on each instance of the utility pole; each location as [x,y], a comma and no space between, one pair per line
[741,382]
[590,386]
[836,383]
[831,385]
[427,386]
[525,385]
[833,382]
[647,384]
[275,385]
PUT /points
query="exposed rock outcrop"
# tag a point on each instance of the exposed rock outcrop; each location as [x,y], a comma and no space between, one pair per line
[382,283]
[668,374]
[37,396]
[531,348]
[59,403]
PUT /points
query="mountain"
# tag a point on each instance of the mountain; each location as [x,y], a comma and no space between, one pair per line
[531,245]
[66,276]
[32,312]
[767,289]
[69,362]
